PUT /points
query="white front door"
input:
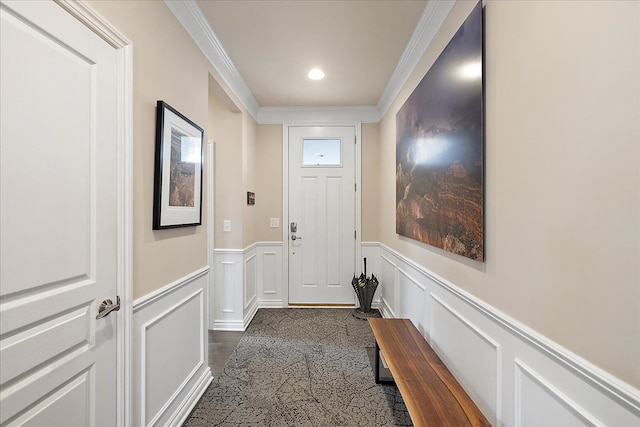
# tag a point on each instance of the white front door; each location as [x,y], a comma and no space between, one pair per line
[58,219]
[322,224]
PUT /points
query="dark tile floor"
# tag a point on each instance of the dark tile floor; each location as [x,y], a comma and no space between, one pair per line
[221,346]
[303,369]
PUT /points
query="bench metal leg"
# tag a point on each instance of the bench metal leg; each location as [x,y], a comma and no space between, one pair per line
[377,363]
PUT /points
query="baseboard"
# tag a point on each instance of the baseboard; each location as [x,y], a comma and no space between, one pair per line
[384,311]
[228,325]
[250,313]
[270,304]
[190,402]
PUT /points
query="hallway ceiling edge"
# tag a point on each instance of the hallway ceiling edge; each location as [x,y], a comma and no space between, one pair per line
[197,26]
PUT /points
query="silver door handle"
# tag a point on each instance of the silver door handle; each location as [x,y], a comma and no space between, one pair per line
[294,237]
[107,307]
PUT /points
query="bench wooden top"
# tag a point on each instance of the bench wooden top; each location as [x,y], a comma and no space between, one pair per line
[430,392]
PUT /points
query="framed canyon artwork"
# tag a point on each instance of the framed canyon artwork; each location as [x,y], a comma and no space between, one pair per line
[440,149]
[177,195]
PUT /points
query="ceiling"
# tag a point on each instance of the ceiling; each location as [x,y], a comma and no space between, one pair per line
[272,45]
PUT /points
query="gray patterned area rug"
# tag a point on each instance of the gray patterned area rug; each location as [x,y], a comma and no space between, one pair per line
[301,367]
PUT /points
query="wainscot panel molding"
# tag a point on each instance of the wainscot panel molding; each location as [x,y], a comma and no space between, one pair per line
[227,313]
[170,370]
[370,252]
[516,376]
[269,277]
[245,280]
[152,297]
[461,345]
[250,279]
[533,391]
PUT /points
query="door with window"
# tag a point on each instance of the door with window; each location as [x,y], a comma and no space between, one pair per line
[322,209]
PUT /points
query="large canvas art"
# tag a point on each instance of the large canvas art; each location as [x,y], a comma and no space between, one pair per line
[439,149]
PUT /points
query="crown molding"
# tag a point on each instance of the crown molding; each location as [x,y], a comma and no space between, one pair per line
[194,22]
[320,115]
[430,22]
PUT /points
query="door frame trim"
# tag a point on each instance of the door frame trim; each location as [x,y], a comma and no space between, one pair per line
[211,162]
[124,69]
[285,195]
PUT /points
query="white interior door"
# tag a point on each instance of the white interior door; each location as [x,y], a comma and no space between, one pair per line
[322,212]
[58,219]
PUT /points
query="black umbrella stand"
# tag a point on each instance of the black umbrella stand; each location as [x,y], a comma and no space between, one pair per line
[365,287]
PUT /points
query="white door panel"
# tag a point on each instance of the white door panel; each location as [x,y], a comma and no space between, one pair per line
[58,231]
[322,204]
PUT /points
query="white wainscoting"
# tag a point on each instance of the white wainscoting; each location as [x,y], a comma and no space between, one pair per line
[370,252]
[250,281]
[516,376]
[270,285]
[228,290]
[245,280]
[170,361]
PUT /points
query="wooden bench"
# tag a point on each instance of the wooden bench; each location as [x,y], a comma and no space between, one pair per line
[432,395]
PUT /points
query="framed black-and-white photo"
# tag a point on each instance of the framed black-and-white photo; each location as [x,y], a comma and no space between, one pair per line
[177,196]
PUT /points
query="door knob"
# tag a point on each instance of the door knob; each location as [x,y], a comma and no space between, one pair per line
[107,307]
[294,237]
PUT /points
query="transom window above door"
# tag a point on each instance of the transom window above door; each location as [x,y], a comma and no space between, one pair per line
[322,152]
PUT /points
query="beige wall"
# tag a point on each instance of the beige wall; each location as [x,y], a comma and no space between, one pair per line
[234,135]
[370,181]
[249,157]
[562,183]
[225,129]
[562,161]
[268,182]
[159,257]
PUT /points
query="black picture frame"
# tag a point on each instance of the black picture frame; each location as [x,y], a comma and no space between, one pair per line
[179,156]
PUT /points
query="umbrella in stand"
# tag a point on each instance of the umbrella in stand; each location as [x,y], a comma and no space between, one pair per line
[365,288]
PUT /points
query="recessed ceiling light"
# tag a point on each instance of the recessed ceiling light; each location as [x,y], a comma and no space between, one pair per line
[316,74]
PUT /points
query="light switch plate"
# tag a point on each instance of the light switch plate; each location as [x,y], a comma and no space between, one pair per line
[226,227]
[274,222]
